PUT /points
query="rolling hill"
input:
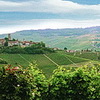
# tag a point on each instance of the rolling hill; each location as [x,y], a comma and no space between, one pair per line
[50,61]
[47,63]
[72,38]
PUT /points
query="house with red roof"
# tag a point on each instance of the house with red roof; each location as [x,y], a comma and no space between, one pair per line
[13,43]
[2,41]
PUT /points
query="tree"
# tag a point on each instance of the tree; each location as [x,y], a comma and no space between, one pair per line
[65,48]
[6,38]
[13,39]
[42,44]
[98,57]
[6,44]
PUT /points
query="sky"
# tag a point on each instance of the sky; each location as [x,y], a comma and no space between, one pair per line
[16,15]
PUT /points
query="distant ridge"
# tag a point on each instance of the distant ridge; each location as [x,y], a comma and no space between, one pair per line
[72,38]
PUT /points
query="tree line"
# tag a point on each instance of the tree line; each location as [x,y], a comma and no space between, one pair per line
[38,48]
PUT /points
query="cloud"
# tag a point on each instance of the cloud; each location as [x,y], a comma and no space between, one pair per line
[89,2]
[61,8]
[53,6]
[46,23]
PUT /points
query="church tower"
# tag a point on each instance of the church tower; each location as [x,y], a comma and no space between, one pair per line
[9,36]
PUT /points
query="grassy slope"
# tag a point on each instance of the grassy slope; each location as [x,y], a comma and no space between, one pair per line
[42,62]
[63,59]
[70,38]
[86,55]
[62,41]
[13,59]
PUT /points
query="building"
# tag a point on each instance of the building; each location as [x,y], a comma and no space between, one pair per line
[9,36]
[71,51]
[16,42]
[27,43]
[56,48]
[2,41]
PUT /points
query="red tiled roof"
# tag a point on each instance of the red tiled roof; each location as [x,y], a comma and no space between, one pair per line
[13,41]
[2,39]
[29,42]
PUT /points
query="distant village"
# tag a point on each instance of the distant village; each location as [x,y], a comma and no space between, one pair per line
[13,42]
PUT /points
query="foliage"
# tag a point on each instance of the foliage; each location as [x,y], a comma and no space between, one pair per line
[30,84]
[38,48]
[41,84]
[6,44]
[2,61]
[13,50]
[50,50]
[14,84]
[32,50]
[22,84]
[65,48]
[81,84]
[98,57]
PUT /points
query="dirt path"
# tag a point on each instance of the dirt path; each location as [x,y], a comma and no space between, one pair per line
[50,59]
[23,58]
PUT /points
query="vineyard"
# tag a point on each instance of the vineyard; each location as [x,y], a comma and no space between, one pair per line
[47,63]
[51,76]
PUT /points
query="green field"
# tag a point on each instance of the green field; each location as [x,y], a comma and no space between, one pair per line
[87,55]
[47,63]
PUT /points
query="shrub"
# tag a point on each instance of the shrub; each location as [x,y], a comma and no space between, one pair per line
[30,84]
[14,85]
[22,84]
[13,50]
[41,84]
[82,84]
[2,61]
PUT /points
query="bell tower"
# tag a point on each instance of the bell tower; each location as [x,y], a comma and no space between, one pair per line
[9,36]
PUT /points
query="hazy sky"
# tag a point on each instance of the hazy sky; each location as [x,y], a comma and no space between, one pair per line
[18,15]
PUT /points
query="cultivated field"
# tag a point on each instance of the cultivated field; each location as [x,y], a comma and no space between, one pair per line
[47,63]
[87,55]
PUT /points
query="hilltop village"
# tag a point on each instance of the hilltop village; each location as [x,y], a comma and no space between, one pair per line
[8,41]
[13,46]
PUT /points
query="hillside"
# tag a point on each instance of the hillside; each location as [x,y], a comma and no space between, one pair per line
[72,38]
[47,63]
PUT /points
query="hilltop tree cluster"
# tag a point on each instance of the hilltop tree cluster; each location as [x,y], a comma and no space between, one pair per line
[39,48]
